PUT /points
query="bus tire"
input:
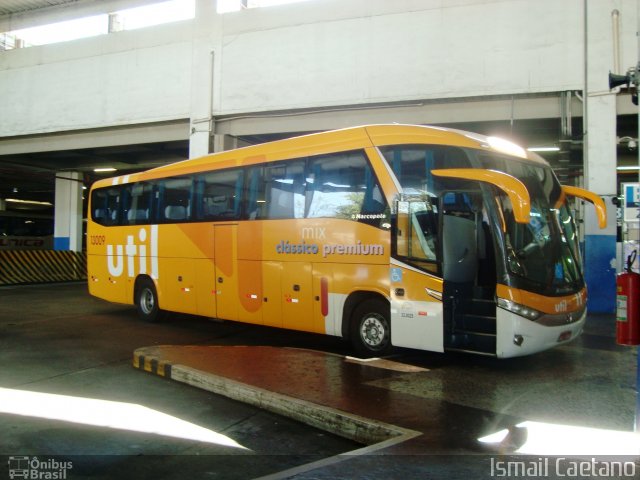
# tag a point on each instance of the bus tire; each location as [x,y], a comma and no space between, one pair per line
[147,301]
[371,328]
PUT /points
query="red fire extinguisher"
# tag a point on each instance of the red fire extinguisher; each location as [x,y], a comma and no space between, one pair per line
[628,308]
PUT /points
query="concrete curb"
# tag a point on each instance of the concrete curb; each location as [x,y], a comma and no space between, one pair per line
[373,433]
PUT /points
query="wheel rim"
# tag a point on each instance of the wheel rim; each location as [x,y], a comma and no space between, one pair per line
[147,301]
[374,331]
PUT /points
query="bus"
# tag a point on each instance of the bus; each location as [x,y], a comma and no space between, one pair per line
[26,231]
[385,235]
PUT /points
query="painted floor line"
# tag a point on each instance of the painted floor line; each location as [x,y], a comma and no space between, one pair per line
[325,462]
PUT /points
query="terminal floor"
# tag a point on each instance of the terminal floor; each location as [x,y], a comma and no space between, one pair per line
[578,399]
[68,392]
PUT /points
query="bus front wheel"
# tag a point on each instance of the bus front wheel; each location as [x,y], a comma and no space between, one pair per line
[371,328]
[147,301]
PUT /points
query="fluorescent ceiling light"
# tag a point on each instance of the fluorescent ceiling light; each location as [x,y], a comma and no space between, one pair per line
[544,149]
[30,202]
[628,168]
[104,169]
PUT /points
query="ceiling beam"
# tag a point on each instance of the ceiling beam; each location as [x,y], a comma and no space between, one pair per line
[96,138]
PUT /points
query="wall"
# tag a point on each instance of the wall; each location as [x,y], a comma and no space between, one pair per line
[314,54]
[120,79]
[439,50]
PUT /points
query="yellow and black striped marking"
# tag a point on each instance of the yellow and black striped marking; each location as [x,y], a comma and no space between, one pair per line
[41,266]
[152,365]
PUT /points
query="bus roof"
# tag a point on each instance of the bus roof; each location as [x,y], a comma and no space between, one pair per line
[331,141]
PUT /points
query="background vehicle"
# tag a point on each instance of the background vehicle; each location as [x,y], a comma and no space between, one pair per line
[411,236]
[26,231]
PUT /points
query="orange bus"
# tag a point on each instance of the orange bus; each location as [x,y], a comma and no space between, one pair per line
[386,235]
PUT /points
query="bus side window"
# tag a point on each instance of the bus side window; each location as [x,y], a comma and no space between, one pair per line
[412,164]
[374,204]
[458,204]
[425,225]
[254,195]
[139,211]
[106,205]
[175,199]
[125,203]
[285,189]
[219,195]
[417,232]
[343,186]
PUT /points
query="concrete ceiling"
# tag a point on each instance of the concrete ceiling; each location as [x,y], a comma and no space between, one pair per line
[32,176]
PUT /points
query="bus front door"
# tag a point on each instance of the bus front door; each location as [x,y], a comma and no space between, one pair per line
[469,286]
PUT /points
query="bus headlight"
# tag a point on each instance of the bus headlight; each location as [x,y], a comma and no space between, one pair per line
[522,310]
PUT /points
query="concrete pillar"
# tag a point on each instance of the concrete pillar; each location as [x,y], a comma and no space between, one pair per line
[206,34]
[67,230]
[600,158]
[224,142]
[200,139]
[600,177]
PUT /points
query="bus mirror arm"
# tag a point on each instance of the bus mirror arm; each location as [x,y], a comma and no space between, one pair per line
[514,188]
[598,203]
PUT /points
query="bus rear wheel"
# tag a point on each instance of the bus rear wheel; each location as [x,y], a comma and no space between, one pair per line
[147,301]
[371,328]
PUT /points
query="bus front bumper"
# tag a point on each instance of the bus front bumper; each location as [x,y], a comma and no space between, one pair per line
[517,336]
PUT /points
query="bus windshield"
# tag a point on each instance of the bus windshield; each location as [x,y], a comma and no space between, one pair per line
[543,252]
